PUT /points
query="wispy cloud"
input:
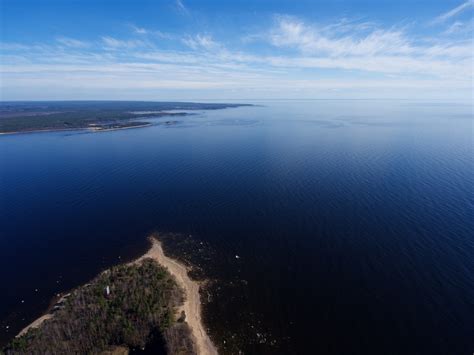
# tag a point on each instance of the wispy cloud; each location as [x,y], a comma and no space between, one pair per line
[139,30]
[456,27]
[114,43]
[368,49]
[181,7]
[163,35]
[142,31]
[200,41]
[460,28]
[71,42]
[454,12]
[337,40]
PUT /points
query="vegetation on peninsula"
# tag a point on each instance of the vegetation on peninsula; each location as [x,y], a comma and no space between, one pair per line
[123,306]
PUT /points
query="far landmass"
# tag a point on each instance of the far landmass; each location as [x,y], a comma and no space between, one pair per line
[18,117]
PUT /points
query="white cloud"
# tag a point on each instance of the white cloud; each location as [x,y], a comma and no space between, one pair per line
[151,33]
[181,7]
[456,27]
[367,49]
[460,28]
[163,35]
[139,30]
[293,33]
[71,42]
[454,12]
[200,41]
[113,43]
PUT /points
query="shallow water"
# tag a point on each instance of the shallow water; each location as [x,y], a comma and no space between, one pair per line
[353,220]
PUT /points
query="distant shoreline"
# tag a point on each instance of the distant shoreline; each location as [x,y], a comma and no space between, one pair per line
[44,130]
[146,124]
[90,129]
[31,117]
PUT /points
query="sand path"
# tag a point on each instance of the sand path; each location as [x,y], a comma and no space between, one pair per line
[192,304]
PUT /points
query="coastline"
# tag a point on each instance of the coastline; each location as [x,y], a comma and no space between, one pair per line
[191,305]
[147,124]
[91,129]
[35,324]
[106,114]
[48,315]
[44,130]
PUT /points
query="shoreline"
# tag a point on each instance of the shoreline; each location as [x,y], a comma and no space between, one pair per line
[35,324]
[44,130]
[91,129]
[191,305]
[48,315]
[181,111]
[97,130]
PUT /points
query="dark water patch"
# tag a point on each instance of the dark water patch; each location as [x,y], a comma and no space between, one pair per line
[222,285]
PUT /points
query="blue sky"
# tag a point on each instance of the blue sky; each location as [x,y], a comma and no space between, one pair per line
[197,50]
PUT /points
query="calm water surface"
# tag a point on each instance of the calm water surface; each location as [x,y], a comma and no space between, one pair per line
[353,220]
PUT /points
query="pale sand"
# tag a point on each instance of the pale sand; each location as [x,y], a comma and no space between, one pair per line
[90,129]
[36,323]
[192,304]
[98,129]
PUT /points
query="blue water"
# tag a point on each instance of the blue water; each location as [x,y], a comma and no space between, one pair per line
[353,220]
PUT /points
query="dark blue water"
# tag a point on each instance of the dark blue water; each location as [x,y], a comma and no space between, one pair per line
[353,220]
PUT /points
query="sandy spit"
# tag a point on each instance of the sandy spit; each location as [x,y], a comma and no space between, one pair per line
[192,304]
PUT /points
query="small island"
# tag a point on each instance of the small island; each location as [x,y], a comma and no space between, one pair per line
[123,308]
[23,117]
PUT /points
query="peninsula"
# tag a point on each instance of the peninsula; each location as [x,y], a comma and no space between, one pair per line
[34,116]
[123,308]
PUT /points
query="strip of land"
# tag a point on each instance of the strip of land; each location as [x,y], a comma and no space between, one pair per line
[192,303]
[22,117]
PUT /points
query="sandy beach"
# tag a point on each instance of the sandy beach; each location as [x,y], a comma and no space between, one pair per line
[90,129]
[192,304]
[35,324]
[98,129]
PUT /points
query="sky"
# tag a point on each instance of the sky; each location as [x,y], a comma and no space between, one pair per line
[240,49]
